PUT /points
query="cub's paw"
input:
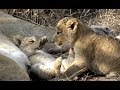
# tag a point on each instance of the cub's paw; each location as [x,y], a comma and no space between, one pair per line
[112,75]
[57,66]
[43,40]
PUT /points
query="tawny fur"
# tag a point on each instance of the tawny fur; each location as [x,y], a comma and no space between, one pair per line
[43,65]
[99,53]
[30,44]
[11,71]
[13,62]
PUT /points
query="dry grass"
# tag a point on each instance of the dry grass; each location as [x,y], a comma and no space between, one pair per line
[108,17]
[49,17]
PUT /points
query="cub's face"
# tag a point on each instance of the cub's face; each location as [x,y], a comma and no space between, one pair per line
[29,45]
[66,29]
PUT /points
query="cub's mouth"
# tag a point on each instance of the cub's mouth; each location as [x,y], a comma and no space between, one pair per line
[59,45]
[57,42]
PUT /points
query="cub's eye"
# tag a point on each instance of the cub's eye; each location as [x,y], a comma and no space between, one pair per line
[59,32]
[31,41]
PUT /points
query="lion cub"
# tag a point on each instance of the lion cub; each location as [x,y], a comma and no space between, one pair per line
[43,65]
[99,53]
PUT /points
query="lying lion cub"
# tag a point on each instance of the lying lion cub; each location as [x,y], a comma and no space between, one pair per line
[43,65]
[99,53]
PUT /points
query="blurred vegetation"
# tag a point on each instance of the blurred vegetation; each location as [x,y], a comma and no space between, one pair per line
[49,17]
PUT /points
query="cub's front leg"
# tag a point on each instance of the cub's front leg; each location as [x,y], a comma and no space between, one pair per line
[57,66]
[79,66]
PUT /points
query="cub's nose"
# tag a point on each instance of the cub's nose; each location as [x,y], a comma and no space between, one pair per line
[60,43]
[53,40]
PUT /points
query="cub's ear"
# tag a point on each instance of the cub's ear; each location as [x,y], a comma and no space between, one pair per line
[17,39]
[72,24]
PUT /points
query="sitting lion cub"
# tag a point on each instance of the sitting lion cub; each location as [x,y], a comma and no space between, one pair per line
[99,53]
